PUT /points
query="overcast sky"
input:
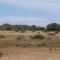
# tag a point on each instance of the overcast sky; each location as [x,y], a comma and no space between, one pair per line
[31,12]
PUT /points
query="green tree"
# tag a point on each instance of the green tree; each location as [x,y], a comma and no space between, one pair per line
[53,27]
[6,26]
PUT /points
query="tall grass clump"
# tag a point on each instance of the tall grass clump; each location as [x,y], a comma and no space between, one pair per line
[18,38]
[38,36]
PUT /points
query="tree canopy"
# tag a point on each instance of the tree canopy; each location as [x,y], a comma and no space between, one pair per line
[23,28]
[53,27]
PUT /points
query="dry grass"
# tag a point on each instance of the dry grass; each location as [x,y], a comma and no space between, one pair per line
[9,51]
[8,39]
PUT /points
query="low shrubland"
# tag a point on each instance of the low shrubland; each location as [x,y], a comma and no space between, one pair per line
[27,39]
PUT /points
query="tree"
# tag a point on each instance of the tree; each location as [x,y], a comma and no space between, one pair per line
[6,26]
[53,27]
[42,28]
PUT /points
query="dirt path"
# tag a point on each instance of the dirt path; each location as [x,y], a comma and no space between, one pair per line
[30,54]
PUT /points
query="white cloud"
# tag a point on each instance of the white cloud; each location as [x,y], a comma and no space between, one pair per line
[27,20]
[24,20]
[50,5]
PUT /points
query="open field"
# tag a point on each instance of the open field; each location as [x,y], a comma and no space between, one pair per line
[9,38]
[29,54]
[28,49]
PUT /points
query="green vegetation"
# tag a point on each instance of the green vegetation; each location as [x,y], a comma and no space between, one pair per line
[41,45]
[22,31]
[51,33]
[37,40]
[38,37]
[53,27]
[23,28]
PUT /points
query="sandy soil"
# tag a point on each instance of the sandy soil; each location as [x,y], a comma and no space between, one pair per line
[29,54]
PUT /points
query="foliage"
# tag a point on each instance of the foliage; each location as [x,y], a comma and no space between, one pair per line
[53,27]
[22,31]
[23,28]
[38,37]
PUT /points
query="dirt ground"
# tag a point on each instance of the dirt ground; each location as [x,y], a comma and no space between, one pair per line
[29,54]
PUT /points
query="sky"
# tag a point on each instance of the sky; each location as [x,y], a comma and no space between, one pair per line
[30,12]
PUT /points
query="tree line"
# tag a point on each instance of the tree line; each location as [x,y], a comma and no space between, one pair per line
[23,28]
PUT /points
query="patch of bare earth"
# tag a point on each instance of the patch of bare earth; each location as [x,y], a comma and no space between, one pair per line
[29,54]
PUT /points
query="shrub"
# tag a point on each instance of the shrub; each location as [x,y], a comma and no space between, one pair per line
[50,49]
[16,30]
[38,37]
[56,32]
[18,37]
[2,36]
[41,45]
[33,30]
[38,32]
[51,34]
[24,46]
[1,54]
[22,31]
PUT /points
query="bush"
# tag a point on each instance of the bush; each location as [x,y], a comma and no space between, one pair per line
[38,37]
[16,30]
[56,32]
[50,49]
[41,45]
[19,37]
[38,32]
[2,36]
[51,34]
[33,30]
[1,54]
[22,31]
